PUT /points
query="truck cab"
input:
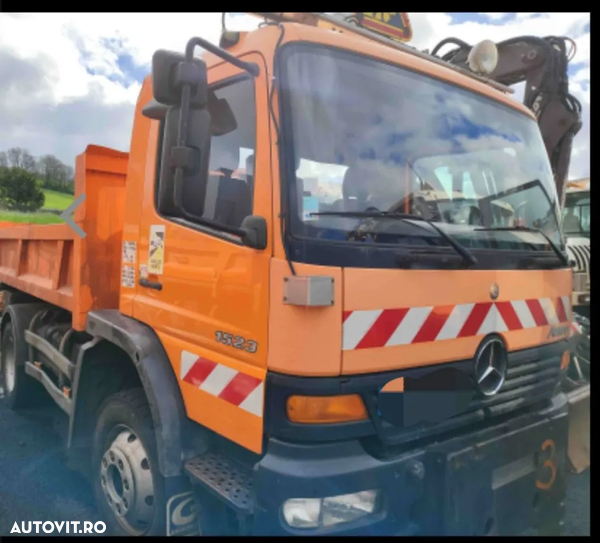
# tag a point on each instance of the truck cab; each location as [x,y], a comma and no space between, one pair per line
[258,338]
[576,227]
[338,361]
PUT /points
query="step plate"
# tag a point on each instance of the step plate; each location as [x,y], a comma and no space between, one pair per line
[229,480]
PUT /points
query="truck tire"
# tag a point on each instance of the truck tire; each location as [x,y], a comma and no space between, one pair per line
[129,487]
[20,390]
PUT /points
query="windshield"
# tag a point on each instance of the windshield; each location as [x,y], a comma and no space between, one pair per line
[369,136]
[576,214]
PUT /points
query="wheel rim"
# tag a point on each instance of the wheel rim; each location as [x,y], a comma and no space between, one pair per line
[9,363]
[126,480]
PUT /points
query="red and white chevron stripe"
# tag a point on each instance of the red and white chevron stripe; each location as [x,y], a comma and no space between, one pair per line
[389,327]
[235,387]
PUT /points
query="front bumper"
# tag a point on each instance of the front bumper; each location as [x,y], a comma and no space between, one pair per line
[501,479]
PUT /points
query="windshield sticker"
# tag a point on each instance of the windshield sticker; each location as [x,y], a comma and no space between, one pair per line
[310,205]
[129,248]
[157,249]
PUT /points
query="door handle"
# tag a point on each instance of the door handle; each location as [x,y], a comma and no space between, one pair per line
[150,284]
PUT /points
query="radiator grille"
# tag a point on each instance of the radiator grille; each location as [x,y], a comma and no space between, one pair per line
[532,376]
[581,255]
[580,282]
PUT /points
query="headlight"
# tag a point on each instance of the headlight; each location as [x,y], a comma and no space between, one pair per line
[302,513]
[317,512]
[483,57]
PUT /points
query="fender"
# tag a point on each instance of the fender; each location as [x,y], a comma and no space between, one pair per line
[144,347]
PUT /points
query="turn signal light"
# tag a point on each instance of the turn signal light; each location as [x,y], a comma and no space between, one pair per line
[564,361]
[325,409]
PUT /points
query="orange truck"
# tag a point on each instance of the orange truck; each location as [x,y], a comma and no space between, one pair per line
[246,340]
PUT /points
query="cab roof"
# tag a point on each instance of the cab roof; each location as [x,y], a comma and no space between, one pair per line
[266,39]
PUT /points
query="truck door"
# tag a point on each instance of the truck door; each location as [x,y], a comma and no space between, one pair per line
[205,293]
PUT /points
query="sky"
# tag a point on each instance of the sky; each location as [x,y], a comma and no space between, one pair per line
[68,80]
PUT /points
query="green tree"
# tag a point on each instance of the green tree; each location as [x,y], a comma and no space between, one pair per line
[55,174]
[18,157]
[20,190]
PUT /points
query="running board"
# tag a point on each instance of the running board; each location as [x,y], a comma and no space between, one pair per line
[57,395]
[225,478]
[59,361]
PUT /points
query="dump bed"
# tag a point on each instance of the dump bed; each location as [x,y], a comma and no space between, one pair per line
[53,263]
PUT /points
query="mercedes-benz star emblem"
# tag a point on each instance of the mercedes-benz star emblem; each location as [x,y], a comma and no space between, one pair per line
[490,366]
[494,291]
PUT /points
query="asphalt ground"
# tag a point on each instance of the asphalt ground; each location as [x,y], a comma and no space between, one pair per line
[35,483]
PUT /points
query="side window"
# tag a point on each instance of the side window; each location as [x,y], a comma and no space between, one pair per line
[230,185]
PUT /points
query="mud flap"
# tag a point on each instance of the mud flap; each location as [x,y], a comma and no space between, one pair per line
[579,428]
[182,515]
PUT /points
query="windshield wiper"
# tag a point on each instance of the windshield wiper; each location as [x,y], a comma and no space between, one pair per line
[563,258]
[464,253]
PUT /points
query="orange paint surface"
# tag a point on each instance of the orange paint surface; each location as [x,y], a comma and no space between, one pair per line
[304,340]
[53,263]
[395,385]
[38,259]
[209,284]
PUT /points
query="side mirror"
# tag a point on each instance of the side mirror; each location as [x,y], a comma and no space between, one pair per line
[170,72]
[182,86]
[180,82]
[254,232]
[184,194]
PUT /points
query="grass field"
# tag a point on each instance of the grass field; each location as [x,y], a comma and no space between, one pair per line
[33,218]
[54,200]
[57,200]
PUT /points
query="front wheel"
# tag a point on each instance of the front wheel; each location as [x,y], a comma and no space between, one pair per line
[130,490]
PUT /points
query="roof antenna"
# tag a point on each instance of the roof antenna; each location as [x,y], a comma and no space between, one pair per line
[228,37]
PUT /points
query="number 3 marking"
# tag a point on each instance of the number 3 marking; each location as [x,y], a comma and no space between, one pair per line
[549,463]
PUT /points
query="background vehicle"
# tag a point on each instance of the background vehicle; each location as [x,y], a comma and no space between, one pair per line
[576,227]
[232,356]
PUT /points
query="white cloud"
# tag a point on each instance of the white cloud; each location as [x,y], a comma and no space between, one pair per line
[64,70]
[496,16]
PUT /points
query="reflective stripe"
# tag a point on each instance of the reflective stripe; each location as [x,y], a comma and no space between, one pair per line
[388,327]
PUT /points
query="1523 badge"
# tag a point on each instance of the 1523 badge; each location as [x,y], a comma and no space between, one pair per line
[238,342]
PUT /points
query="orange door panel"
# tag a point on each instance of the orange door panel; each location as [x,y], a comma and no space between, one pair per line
[211,313]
